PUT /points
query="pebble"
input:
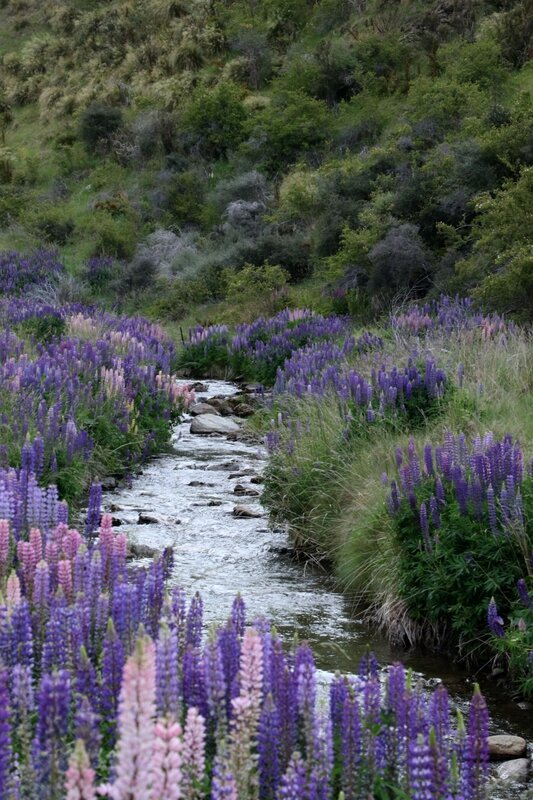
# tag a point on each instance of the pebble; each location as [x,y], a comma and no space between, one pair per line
[504,746]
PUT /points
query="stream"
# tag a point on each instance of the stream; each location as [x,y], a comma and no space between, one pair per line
[186,500]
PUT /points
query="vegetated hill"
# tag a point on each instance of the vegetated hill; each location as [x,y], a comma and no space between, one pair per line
[344,152]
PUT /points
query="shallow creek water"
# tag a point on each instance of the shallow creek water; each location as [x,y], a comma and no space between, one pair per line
[189,493]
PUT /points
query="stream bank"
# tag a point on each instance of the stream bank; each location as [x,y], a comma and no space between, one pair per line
[186,499]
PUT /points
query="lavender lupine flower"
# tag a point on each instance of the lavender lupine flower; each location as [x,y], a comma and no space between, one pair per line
[494,620]
[194,622]
[223,786]
[5,733]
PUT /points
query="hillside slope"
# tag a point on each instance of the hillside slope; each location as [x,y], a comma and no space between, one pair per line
[180,153]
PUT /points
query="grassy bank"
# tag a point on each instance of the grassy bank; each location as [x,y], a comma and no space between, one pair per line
[381,461]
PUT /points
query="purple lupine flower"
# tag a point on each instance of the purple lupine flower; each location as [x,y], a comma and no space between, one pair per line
[50,753]
[194,622]
[421,786]
[167,681]
[475,763]
[269,749]
[94,509]
[494,620]
[351,745]
[113,659]
[294,782]
[525,597]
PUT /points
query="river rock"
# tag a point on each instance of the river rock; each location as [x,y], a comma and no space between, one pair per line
[140,550]
[245,491]
[147,519]
[198,387]
[109,483]
[202,408]
[242,474]
[515,770]
[245,512]
[504,746]
[201,483]
[221,405]
[211,423]
[257,479]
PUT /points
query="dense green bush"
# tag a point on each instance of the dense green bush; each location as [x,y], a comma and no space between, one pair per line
[98,124]
[215,120]
[291,125]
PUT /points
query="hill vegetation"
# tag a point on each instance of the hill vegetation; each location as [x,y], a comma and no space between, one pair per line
[185,154]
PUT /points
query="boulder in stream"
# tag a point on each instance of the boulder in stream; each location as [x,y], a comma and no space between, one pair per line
[147,519]
[202,408]
[503,745]
[211,423]
[245,491]
[140,550]
[515,770]
[245,512]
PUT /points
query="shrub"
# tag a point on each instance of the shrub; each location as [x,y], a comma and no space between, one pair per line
[400,262]
[294,123]
[215,120]
[459,515]
[251,283]
[98,125]
[185,197]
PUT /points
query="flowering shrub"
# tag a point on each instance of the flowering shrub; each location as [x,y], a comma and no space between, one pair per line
[514,640]
[18,272]
[106,679]
[449,314]
[461,516]
[98,393]
[257,350]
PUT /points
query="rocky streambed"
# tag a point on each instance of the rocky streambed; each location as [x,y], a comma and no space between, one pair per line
[203,500]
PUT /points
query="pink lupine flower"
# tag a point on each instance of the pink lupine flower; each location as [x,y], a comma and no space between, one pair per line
[105,538]
[71,543]
[193,755]
[80,776]
[52,553]
[26,556]
[135,725]
[36,541]
[4,543]
[120,546]
[64,577]
[246,713]
[166,772]
[13,593]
